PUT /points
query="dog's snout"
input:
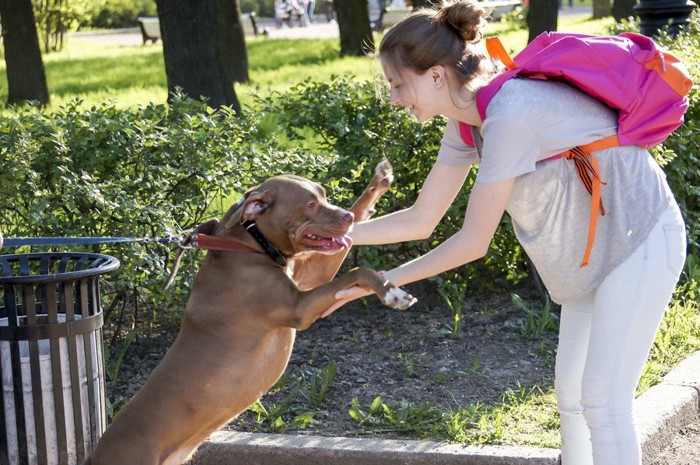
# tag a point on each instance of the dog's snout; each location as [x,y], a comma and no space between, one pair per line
[347,217]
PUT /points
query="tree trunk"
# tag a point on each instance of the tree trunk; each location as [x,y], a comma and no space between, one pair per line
[542,17]
[623,9]
[601,8]
[204,49]
[26,79]
[356,37]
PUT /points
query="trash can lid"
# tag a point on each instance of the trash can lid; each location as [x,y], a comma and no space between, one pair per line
[43,267]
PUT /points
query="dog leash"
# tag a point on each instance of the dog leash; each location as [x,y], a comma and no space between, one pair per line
[54,241]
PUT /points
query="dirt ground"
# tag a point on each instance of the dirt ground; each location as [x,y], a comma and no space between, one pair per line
[404,357]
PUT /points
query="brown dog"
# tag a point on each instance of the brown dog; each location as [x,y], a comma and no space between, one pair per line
[241,319]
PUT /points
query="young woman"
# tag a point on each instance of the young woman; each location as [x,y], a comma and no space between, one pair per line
[611,308]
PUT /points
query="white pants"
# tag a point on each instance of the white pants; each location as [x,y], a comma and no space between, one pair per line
[604,341]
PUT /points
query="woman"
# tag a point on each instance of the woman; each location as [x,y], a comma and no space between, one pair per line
[611,308]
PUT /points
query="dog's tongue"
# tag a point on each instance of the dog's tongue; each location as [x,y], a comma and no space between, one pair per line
[345,241]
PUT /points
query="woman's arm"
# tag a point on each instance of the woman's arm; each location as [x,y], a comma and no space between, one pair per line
[485,208]
[418,221]
[487,203]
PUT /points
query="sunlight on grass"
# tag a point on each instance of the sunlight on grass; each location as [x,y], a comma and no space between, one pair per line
[524,417]
[135,75]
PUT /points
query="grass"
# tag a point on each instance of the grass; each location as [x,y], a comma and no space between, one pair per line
[524,416]
[135,75]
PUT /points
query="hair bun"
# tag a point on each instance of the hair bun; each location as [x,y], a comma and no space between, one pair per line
[464,17]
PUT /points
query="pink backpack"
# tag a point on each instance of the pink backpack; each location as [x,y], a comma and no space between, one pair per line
[629,73]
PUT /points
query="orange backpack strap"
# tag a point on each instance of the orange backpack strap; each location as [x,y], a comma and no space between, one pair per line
[601,144]
[496,50]
[588,171]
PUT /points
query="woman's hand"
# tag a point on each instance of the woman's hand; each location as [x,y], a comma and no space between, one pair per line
[345,296]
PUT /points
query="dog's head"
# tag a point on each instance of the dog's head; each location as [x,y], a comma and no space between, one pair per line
[294,215]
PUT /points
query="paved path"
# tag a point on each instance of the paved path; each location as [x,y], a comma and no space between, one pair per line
[132,36]
[317,30]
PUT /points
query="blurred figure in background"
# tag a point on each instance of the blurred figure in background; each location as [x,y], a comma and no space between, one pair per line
[328,10]
[310,6]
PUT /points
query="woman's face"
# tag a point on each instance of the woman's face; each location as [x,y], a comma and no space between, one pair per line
[417,93]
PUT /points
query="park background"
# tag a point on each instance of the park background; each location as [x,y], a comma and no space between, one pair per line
[115,151]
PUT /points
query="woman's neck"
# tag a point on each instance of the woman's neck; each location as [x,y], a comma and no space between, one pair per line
[468,114]
[463,107]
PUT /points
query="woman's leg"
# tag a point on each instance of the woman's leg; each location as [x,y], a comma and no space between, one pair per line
[574,334]
[604,341]
[628,309]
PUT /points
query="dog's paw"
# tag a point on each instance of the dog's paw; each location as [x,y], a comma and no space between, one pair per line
[383,176]
[397,298]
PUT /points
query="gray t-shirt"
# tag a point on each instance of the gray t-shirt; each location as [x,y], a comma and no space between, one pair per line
[529,121]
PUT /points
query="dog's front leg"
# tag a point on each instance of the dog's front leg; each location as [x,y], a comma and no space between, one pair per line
[363,208]
[310,304]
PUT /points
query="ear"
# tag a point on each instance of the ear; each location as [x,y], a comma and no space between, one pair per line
[256,203]
[437,73]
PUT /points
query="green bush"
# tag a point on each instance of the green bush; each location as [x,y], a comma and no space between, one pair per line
[144,173]
[121,13]
[682,149]
[153,171]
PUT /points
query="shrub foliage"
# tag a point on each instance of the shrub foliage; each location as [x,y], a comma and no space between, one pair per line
[151,172]
[154,171]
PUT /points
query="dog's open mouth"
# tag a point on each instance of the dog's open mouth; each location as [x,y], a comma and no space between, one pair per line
[326,244]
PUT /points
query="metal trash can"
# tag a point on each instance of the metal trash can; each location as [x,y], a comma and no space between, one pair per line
[52,406]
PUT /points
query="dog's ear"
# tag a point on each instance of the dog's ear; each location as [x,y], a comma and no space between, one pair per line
[256,203]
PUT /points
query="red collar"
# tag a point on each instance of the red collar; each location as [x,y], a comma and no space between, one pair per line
[201,240]
[226,244]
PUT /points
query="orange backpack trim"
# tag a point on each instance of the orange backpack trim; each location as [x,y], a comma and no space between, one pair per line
[672,71]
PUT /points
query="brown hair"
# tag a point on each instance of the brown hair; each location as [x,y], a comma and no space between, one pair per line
[444,37]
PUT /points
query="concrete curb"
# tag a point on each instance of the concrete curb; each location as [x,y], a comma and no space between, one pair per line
[661,412]
[665,408]
[267,449]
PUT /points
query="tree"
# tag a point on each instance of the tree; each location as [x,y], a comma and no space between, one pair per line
[204,49]
[56,17]
[26,79]
[623,9]
[356,37]
[542,17]
[601,8]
